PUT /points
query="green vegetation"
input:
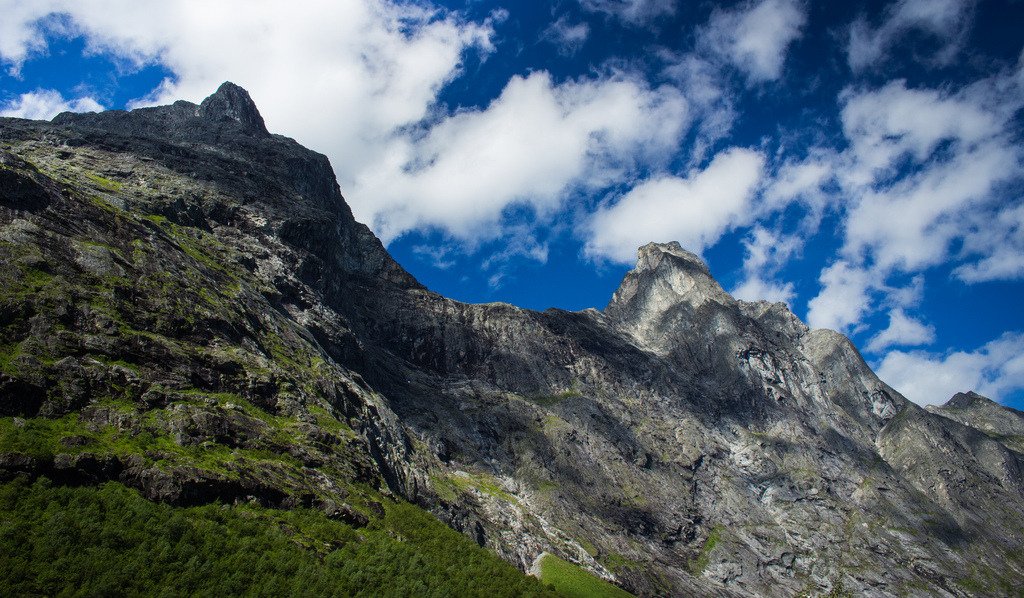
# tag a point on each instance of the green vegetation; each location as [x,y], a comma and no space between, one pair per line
[546,486]
[983,581]
[444,488]
[103,182]
[617,564]
[199,245]
[451,486]
[109,541]
[331,423]
[44,438]
[106,206]
[7,355]
[24,276]
[556,398]
[588,546]
[573,581]
[292,356]
[483,482]
[698,565]
[839,591]
[553,422]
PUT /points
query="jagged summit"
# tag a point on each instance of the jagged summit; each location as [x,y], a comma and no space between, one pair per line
[247,161]
[666,276]
[650,256]
[982,413]
[963,400]
[231,102]
[228,117]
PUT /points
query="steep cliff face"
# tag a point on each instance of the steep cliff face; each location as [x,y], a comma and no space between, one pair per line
[152,272]
[179,271]
[690,442]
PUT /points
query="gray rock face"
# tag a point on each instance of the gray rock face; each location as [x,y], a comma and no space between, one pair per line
[679,442]
[232,103]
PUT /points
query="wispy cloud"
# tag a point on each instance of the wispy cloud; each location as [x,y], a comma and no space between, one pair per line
[946,22]
[633,12]
[754,37]
[568,37]
[766,252]
[923,169]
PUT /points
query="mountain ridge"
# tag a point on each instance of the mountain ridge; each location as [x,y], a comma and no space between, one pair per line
[679,441]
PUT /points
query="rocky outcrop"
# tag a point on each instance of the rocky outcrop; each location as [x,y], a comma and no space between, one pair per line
[985,415]
[232,103]
[192,306]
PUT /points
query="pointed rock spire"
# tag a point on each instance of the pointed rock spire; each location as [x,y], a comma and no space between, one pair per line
[666,274]
[668,285]
[650,256]
[232,103]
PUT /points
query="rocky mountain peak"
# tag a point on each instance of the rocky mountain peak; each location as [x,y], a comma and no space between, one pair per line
[231,102]
[650,257]
[982,413]
[964,400]
[669,285]
[666,275]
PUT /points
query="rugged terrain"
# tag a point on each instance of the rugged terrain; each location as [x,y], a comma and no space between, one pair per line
[189,307]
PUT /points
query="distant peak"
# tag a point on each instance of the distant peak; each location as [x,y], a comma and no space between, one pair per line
[232,103]
[962,400]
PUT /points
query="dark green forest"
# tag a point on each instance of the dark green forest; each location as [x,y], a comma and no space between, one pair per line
[110,541]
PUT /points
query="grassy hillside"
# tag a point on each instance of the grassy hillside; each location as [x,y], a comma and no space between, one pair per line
[572,581]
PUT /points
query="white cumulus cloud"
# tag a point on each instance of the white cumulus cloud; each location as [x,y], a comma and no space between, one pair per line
[694,210]
[994,370]
[44,104]
[844,297]
[530,146]
[903,330]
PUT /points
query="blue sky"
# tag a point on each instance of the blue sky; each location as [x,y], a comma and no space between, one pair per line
[861,161]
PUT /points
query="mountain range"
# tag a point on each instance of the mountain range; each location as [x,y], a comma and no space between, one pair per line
[189,309]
